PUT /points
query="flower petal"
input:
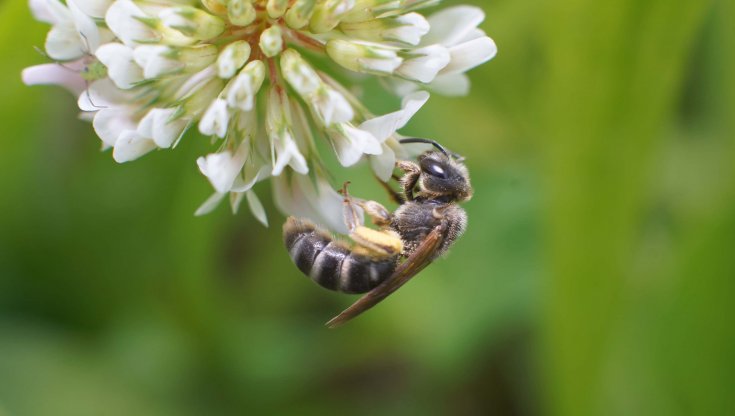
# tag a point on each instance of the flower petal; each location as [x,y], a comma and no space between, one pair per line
[210,204]
[426,63]
[385,126]
[232,58]
[242,90]
[347,153]
[350,143]
[124,19]
[332,107]
[412,27]
[63,43]
[93,8]
[256,207]
[472,35]
[160,126]
[329,204]
[253,173]
[401,87]
[320,203]
[131,146]
[288,201]
[155,61]
[287,153]
[103,94]
[367,57]
[41,11]
[121,67]
[370,145]
[54,74]
[299,197]
[52,11]
[215,119]
[88,30]
[235,201]
[222,168]
[384,163]
[452,85]
[451,25]
[111,123]
[468,55]
[299,74]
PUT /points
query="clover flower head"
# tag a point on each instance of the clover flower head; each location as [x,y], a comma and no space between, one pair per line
[247,73]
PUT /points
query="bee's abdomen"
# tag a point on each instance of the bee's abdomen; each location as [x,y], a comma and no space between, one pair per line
[331,264]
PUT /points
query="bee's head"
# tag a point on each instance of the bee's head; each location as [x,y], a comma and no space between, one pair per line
[444,175]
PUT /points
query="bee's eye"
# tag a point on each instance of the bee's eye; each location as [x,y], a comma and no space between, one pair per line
[434,169]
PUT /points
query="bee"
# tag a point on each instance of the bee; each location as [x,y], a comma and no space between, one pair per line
[422,228]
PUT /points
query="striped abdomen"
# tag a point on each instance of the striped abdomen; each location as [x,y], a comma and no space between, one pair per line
[332,264]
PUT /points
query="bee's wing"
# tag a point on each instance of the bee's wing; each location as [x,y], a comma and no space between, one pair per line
[420,258]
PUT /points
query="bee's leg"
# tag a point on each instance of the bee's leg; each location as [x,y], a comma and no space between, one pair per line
[351,217]
[410,178]
[377,212]
[439,212]
[371,243]
[392,193]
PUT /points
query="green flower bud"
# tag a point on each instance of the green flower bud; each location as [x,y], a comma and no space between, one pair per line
[241,12]
[192,22]
[271,41]
[327,14]
[300,13]
[276,8]
[364,57]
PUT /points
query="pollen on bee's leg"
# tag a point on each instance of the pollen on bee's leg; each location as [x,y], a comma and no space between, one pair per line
[377,244]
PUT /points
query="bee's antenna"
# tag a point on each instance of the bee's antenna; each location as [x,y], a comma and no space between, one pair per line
[426,141]
[434,143]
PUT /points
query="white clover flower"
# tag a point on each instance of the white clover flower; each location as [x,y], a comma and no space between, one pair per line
[146,71]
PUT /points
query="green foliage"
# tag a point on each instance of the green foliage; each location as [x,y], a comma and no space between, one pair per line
[595,278]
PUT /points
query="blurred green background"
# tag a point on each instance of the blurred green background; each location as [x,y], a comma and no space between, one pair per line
[596,276]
